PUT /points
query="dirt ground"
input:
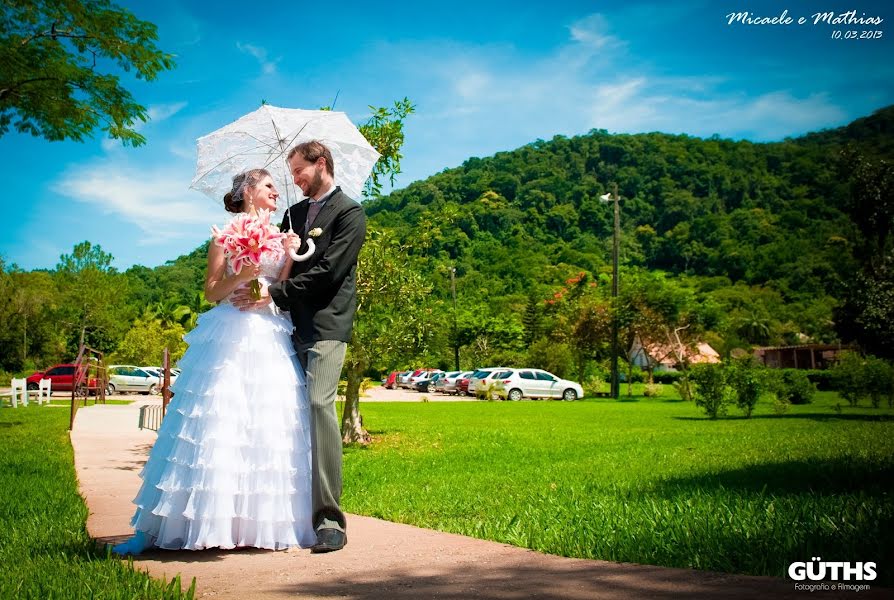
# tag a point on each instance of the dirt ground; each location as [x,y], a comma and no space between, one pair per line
[382,560]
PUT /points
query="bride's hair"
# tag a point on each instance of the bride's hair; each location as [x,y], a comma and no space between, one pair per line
[233,200]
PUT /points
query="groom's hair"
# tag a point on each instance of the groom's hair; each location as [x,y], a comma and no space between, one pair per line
[312,151]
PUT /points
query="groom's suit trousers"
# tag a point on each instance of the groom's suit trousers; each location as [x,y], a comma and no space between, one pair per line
[322,362]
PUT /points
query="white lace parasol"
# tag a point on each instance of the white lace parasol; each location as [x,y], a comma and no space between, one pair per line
[263,138]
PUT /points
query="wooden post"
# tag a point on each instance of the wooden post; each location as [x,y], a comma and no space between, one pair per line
[166,381]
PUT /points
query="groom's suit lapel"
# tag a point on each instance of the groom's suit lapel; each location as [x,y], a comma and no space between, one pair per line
[328,212]
[297,216]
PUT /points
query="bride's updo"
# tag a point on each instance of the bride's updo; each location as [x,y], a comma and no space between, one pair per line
[233,200]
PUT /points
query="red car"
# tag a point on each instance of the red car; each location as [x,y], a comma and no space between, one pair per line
[391,381]
[62,378]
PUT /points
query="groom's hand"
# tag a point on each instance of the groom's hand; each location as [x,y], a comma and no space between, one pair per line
[243,301]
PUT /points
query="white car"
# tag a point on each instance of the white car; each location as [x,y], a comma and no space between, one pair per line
[515,384]
[159,372]
[482,378]
[128,378]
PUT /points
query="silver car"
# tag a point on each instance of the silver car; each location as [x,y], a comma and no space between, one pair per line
[128,378]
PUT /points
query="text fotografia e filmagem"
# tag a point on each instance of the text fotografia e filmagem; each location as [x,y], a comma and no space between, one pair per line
[828,18]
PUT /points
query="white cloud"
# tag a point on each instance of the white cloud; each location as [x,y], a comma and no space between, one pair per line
[268,67]
[160,112]
[592,31]
[156,200]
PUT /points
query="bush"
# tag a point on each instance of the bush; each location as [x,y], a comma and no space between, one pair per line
[747,380]
[793,386]
[711,392]
[667,376]
[824,380]
[878,380]
[652,390]
[593,386]
[636,376]
[848,377]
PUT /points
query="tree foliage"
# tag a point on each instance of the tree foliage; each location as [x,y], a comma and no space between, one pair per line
[59,65]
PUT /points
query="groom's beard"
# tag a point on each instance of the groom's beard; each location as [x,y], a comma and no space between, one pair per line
[315,187]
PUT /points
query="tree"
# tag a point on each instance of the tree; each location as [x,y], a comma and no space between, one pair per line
[90,296]
[52,57]
[146,340]
[388,322]
[385,132]
[711,391]
[746,378]
[867,314]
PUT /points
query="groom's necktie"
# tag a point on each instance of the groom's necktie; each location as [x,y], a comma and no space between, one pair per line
[313,209]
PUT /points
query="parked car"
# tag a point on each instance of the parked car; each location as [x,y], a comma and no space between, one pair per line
[403,380]
[450,376]
[61,377]
[515,384]
[481,378]
[128,378]
[462,383]
[159,372]
[425,375]
[391,381]
[426,381]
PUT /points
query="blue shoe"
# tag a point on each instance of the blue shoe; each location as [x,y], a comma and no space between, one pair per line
[135,545]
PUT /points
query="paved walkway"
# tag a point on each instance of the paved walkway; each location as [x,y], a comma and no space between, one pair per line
[383,560]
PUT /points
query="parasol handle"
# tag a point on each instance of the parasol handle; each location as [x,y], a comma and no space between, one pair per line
[311,247]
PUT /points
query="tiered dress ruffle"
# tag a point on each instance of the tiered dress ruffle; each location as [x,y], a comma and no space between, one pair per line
[231,466]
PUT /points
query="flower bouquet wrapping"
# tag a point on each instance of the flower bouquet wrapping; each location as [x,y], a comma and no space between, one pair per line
[246,239]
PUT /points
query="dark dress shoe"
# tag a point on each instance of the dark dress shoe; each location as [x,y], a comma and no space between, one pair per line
[329,540]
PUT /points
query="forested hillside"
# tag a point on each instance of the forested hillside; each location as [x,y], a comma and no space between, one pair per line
[739,243]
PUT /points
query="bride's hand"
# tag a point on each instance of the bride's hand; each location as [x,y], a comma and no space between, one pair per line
[292,242]
[247,273]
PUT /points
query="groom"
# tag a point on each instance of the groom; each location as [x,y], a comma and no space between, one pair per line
[321,295]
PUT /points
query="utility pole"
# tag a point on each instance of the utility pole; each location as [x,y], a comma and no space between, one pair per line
[455,340]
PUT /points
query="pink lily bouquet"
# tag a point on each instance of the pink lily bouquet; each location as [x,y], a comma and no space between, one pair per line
[246,239]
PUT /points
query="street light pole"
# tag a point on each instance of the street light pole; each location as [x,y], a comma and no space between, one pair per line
[616,236]
[455,340]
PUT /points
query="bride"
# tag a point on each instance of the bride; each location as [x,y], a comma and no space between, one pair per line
[231,466]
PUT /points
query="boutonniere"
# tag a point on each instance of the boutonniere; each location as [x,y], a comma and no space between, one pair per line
[315,232]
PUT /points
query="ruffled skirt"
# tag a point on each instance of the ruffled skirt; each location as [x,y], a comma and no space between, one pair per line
[231,466]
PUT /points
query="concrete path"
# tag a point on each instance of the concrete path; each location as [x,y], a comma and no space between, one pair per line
[383,560]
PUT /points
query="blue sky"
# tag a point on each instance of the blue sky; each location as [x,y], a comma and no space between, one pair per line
[485,77]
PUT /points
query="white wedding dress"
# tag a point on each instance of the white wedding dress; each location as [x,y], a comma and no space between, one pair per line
[231,466]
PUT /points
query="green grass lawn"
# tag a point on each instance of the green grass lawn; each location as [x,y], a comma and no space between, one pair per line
[645,481]
[45,551]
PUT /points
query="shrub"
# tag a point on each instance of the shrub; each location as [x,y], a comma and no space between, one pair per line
[824,380]
[593,386]
[848,377]
[711,392]
[636,375]
[747,380]
[793,386]
[667,376]
[652,390]
[878,380]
